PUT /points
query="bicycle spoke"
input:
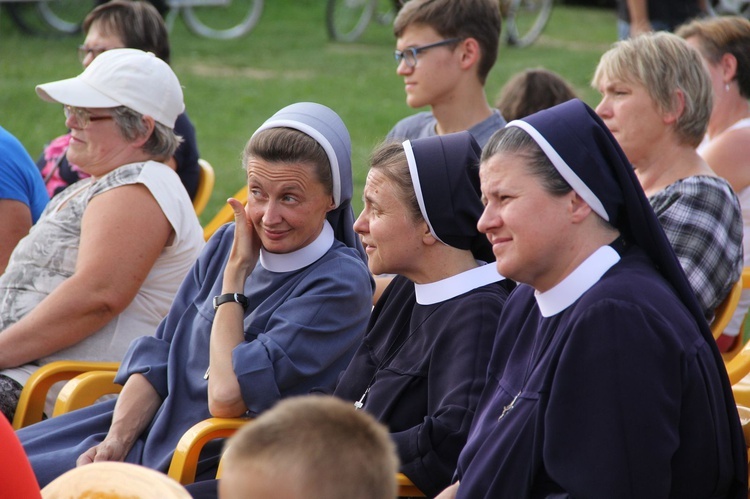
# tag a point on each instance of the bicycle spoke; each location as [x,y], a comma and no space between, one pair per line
[346,20]
[526,20]
[222,19]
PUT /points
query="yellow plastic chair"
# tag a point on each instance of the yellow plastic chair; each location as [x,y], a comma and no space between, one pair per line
[739,366]
[206,183]
[726,308]
[88,381]
[85,389]
[185,458]
[737,361]
[224,215]
[34,394]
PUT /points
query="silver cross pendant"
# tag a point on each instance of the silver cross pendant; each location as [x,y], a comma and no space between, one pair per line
[509,407]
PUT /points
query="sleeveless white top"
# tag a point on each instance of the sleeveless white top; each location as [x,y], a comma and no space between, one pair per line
[47,257]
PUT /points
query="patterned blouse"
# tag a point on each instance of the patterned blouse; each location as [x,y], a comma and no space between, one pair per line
[702,219]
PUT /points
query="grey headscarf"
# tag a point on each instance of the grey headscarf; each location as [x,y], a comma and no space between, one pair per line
[327,129]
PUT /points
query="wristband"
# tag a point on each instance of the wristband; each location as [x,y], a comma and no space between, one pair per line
[230,298]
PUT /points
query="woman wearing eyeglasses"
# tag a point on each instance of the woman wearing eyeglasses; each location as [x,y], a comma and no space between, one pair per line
[122,24]
[105,259]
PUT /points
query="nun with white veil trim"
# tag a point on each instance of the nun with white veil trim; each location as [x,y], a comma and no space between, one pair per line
[605,380]
[275,305]
[422,364]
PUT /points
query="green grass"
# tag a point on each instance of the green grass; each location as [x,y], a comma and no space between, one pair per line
[231,87]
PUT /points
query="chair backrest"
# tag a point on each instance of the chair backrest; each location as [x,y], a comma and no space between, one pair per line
[725,310]
[30,406]
[85,389]
[206,183]
[185,458]
[224,215]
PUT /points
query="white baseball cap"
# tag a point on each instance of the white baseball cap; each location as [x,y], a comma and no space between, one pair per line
[132,78]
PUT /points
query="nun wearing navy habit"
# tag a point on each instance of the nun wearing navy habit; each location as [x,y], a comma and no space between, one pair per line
[422,364]
[276,304]
[605,381]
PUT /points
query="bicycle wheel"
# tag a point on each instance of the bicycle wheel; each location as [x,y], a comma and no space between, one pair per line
[25,16]
[35,19]
[526,20]
[218,18]
[346,20]
[64,16]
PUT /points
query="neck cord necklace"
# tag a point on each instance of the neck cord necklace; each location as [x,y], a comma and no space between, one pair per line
[390,355]
[529,371]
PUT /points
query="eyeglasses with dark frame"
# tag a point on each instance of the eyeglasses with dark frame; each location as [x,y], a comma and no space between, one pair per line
[409,54]
[95,52]
[83,116]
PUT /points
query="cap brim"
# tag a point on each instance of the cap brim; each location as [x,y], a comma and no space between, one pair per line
[74,92]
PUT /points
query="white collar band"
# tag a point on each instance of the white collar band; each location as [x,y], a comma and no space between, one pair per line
[445,289]
[301,258]
[567,291]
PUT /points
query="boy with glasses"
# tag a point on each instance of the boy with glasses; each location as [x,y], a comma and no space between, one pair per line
[445,50]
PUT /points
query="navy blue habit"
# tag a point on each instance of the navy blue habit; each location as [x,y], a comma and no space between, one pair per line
[610,384]
[421,367]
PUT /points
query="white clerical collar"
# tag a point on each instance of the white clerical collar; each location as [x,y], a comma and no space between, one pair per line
[567,291]
[445,289]
[289,262]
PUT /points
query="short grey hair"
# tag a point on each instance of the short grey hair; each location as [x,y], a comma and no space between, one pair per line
[162,143]
[664,63]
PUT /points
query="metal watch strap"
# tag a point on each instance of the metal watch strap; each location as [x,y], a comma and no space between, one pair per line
[230,298]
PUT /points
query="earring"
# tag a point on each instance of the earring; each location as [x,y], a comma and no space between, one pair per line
[726,87]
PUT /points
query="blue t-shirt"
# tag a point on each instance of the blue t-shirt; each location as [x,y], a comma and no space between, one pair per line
[20,179]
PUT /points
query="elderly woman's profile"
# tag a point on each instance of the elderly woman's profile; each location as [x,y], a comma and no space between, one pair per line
[105,259]
[656,101]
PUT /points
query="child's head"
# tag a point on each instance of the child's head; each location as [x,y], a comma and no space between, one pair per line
[530,91]
[310,447]
[477,19]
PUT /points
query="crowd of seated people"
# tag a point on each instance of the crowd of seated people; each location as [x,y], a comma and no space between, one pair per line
[542,287]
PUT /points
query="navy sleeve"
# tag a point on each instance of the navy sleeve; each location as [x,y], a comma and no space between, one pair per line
[310,332]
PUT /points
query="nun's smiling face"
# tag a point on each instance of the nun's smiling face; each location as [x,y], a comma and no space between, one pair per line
[287,204]
[526,225]
[633,118]
[391,237]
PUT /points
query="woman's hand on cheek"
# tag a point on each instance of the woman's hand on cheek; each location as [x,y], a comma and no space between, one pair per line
[245,248]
